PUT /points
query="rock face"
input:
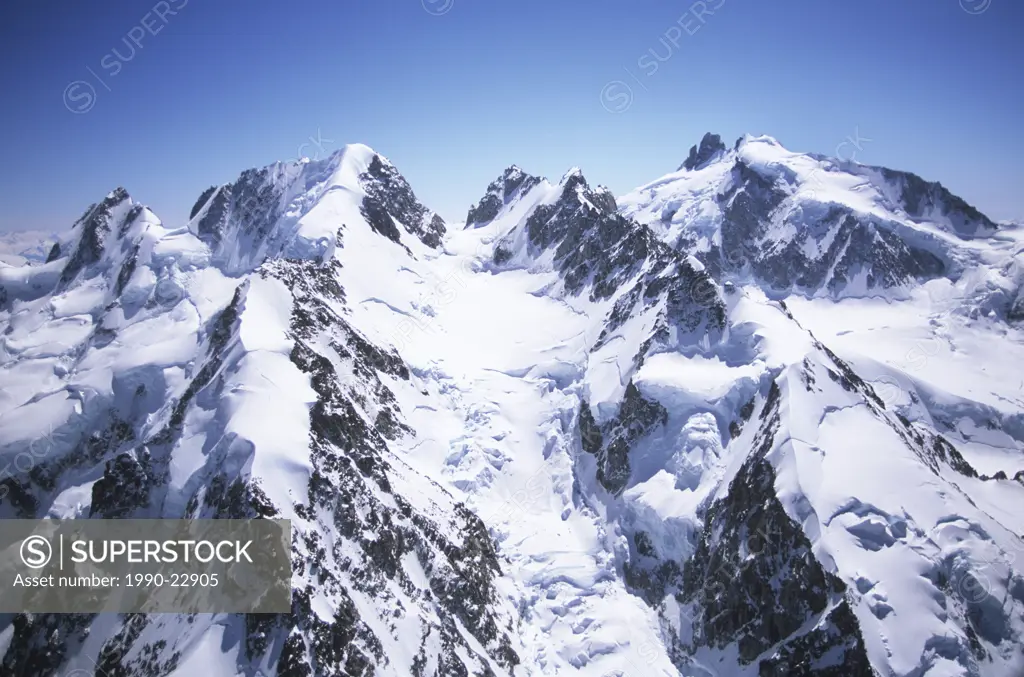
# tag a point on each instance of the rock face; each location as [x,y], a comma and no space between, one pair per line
[599,252]
[512,184]
[237,221]
[832,252]
[637,417]
[388,191]
[351,497]
[710,145]
[754,580]
[94,227]
[922,198]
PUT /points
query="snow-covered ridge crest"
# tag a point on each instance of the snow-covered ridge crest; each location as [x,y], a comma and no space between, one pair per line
[296,209]
[513,184]
[101,240]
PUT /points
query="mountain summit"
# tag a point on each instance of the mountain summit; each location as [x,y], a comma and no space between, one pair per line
[710,145]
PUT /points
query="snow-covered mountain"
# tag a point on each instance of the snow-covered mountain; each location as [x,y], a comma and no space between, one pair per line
[763,416]
[812,224]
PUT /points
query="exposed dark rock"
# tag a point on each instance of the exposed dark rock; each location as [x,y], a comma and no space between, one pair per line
[124,487]
[104,440]
[596,248]
[211,227]
[753,579]
[150,659]
[92,228]
[127,270]
[485,211]
[18,495]
[232,498]
[348,447]
[513,183]
[710,145]
[392,193]
[201,202]
[126,223]
[848,378]
[590,433]
[849,244]
[947,453]
[612,441]
[624,307]
[40,642]
[919,197]
[223,326]
[833,649]
[379,219]
[502,255]
[255,205]
[240,216]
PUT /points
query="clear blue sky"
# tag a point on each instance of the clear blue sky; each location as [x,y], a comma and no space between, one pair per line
[453,91]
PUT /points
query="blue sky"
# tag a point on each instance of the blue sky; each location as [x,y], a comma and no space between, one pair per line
[453,91]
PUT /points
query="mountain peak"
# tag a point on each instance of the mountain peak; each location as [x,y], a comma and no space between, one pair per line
[572,173]
[710,146]
[119,194]
[389,196]
[511,184]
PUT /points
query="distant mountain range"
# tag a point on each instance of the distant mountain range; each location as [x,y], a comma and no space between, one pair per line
[25,246]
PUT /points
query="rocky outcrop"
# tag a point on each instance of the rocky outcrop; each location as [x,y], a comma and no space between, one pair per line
[710,146]
[512,184]
[599,251]
[922,199]
[611,443]
[373,528]
[92,231]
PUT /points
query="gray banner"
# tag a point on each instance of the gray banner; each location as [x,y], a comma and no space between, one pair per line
[145,566]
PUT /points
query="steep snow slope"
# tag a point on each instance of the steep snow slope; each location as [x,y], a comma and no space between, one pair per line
[548,443]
